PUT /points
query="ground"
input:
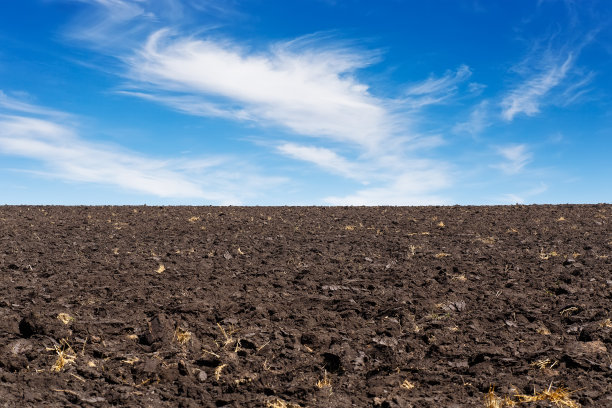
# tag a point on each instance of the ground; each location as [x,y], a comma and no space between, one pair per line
[306,306]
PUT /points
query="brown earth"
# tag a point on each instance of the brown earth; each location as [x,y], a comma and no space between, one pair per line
[308,306]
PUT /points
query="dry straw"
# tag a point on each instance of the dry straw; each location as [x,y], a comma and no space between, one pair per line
[561,397]
[182,336]
[65,355]
[279,403]
[65,318]
[325,382]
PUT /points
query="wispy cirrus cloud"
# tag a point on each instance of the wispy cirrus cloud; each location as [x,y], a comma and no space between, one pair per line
[528,96]
[416,185]
[14,104]
[390,178]
[69,158]
[523,196]
[550,73]
[193,105]
[516,158]
[99,26]
[577,90]
[555,82]
[478,121]
[436,90]
[59,152]
[323,157]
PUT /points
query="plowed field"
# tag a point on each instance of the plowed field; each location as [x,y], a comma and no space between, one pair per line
[306,306]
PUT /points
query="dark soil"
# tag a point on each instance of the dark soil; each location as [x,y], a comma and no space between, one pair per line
[321,307]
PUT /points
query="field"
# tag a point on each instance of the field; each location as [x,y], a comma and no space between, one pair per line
[306,306]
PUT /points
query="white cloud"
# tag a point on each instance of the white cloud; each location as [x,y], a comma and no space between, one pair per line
[576,91]
[523,196]
[527,97]
[13,104]
[412,187]
[72,159]
[311,86]
[436,90]
[322,157]
[510,199]
[111,23]
[64,155]
[517,157]
[192,105]
[476,88]
[443,85]
[303,85]
[478,120]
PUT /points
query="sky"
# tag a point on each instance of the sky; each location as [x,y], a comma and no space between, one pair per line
[305,102]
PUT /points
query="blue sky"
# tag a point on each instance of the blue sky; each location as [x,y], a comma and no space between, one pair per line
[305,102]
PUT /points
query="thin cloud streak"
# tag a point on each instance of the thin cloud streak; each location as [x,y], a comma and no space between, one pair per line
[193,105]
[527,97]
[63,154]
[477,122]
[551,77]
[523,196]
[436,90]
[12,104]
[576,91]
[325,158]
[71,159]
[107,18]
[412,187]
[516,156]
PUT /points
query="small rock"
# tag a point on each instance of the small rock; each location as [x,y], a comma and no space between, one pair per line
[359,361]
[457,306]
[334,287]
[386,341]
[378,402]
[93,400]
[20,346]
[227,255]
[459,364]
[202,376]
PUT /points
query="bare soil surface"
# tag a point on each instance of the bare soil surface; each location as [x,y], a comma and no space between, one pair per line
[305,306]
